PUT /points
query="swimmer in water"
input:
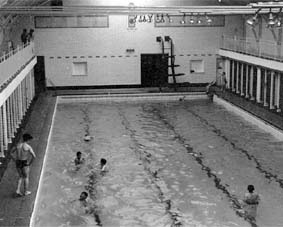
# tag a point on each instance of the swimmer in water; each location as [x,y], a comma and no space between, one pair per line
[87,138]
[85,203]
[251,202]
[89,207]
[83,199]
[103,166]
[79,160]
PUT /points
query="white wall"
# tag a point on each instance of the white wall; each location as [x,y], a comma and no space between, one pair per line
[234,26]
[117,67]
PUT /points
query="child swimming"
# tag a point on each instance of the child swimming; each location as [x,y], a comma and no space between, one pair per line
[79,160]
[103,166]
[251,202]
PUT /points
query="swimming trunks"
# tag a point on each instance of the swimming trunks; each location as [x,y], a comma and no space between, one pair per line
[21,163]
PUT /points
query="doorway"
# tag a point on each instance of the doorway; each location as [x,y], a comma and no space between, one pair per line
[39,75]
[154,70]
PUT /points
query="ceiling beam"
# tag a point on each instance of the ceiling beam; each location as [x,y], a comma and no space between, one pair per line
[87,10]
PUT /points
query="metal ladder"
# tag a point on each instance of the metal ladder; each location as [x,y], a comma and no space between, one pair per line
[171,56]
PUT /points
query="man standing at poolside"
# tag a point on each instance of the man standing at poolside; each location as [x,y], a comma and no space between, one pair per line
[24,158]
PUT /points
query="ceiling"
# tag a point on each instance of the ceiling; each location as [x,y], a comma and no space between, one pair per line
[136,2]
[91,7]
[23,2]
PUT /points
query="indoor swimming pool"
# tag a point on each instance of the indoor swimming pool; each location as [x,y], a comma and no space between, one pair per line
[182,162]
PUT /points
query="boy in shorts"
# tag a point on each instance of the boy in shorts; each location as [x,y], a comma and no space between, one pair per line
[24,158]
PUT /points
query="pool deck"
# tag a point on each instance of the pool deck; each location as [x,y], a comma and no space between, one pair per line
[17,211]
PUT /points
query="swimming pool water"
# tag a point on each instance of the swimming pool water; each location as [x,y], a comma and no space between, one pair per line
[170,163]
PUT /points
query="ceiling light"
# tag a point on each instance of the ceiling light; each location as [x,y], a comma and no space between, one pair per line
[192,20]
[278,23]
[253,20]
[199,21]
[208,20]
[183,21]
[169,18]
[271,22]
[278,20]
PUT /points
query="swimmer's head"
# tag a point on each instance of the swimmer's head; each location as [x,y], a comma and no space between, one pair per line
[79,154]
[83,196]
[27,137]
[251,188]
[103,161]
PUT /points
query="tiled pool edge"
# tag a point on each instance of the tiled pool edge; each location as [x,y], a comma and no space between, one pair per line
[36,203]
[276,132]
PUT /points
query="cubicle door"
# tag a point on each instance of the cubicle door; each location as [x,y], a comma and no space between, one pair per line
[154,70]
[39,75]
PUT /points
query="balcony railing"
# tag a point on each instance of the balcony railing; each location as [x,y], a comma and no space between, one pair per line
[262,48]
[12,62]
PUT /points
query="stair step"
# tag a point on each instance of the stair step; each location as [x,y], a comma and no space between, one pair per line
[173,65]
[177,74]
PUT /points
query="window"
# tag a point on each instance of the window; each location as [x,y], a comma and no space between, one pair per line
[197,66]
[96,21]
[79,69]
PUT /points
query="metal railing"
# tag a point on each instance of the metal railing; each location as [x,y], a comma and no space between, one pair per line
[261,48]
[13,61]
